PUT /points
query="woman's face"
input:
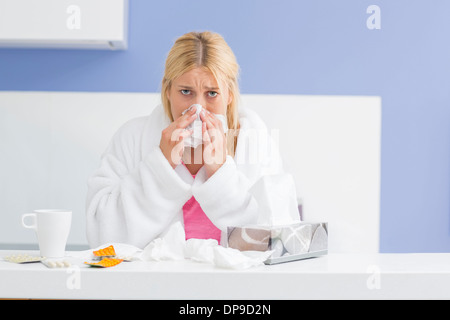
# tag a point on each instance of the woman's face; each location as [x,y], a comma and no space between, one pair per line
[198,86]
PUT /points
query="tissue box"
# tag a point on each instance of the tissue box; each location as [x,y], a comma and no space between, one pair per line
[297,241]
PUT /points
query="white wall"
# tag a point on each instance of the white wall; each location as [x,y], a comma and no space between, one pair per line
[51,143]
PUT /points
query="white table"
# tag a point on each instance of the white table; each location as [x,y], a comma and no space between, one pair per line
[336,276]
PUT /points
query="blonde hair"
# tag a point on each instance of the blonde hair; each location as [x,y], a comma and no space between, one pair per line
[210,51]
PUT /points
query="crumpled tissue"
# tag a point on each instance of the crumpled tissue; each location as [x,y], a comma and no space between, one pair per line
[172,246]
[201,250]
[169,247]
[230,258]
[277,200]
[196,138]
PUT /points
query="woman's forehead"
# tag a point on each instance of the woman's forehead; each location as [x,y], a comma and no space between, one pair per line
[197,77]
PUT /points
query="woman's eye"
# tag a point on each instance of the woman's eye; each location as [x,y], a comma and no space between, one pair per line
[185,92]
[212,94]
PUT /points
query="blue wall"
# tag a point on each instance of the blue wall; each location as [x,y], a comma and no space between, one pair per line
[303,47]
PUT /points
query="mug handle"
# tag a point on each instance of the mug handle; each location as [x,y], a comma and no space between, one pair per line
[33,226]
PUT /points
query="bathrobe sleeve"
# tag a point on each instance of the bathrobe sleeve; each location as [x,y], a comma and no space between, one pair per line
[132,199]
[226,197]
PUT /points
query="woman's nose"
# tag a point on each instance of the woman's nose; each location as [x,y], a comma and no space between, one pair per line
[201,102]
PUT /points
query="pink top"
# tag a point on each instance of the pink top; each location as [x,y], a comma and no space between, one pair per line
[196,223]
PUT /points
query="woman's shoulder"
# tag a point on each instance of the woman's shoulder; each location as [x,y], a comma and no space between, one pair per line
[138,124]
[132,126]
[249,119]
[135,129]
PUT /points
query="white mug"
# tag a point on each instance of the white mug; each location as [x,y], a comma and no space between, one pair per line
[52,229]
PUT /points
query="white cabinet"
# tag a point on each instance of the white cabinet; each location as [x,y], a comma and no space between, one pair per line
[79,24]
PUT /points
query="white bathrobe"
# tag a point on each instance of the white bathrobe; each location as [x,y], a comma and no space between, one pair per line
[136,195]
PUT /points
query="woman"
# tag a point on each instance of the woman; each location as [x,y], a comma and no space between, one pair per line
[149,179]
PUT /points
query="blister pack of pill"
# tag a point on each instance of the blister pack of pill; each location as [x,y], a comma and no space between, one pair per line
[105,258]
[23,258]
[105,263]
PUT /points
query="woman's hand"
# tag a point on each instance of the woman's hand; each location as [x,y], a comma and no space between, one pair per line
[172,138]
[215,143]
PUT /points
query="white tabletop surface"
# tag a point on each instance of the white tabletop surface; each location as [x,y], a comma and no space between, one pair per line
[335,276]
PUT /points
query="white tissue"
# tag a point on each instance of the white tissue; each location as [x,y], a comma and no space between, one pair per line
[201,250]
[172,246]
[277,200]
[169,247]
[196,138]
[230,258]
